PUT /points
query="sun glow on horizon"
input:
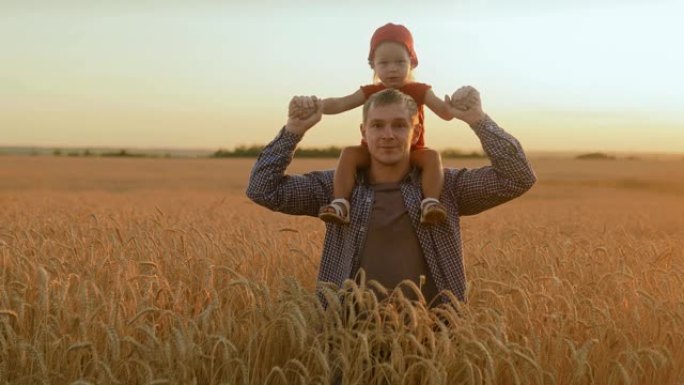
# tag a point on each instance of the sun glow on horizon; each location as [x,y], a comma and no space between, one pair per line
[586,76]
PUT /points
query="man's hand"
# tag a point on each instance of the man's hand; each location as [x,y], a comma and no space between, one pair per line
[465,104]
[300,109]
[303,113]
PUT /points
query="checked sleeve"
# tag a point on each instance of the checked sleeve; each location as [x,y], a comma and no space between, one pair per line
[508,177]
[270,187]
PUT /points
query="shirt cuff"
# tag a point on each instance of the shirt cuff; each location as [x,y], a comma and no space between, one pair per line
[290,135]
[479,126]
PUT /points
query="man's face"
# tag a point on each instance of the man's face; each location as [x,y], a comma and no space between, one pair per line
[389,132]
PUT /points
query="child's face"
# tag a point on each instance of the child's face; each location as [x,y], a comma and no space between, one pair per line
[392,64]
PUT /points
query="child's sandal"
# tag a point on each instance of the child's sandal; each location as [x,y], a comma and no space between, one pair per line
[335,212]
[432,212]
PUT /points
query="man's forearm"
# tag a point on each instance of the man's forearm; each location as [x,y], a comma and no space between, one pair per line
[271,187]
[270,168]
[505,152]
[482,188]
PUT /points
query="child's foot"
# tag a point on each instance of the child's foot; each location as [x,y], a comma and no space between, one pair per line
[336,212]
[432,212]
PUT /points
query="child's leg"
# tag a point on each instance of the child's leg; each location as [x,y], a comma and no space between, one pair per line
[344,180]
[351,158]
[430,162]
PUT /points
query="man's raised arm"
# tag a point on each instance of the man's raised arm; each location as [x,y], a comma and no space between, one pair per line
[270,187]
[510,174]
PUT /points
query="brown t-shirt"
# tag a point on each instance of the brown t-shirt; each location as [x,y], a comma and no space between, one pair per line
[392,253]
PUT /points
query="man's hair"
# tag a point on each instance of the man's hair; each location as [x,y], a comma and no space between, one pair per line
[388,97]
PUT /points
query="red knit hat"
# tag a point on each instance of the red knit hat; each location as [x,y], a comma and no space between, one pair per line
[393,32]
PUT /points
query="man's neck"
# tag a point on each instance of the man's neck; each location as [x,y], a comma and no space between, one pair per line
[380,173]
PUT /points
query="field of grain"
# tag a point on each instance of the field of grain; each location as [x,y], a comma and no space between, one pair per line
[161,271]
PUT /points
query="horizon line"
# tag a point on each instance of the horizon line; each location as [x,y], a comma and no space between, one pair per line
[53,148]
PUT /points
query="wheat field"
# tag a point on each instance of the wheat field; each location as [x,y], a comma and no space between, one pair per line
[161,271]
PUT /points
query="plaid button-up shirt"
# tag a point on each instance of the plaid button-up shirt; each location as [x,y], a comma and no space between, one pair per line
[466,192]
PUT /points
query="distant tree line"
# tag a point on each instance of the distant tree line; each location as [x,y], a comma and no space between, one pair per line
[454,153]
[595,155]
[326,152]
[125,154]
[113,154]
[245,152]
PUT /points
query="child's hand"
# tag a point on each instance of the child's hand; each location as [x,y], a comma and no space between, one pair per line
[465,104]
[299,110]
[464,98]
[300,105]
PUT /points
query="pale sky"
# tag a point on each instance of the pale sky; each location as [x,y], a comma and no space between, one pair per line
[560,75]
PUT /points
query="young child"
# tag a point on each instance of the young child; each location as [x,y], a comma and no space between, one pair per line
[392,58]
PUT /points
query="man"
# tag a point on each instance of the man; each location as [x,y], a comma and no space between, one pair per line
[385,236]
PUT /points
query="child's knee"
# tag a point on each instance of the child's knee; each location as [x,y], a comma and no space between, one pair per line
[357,153]
[350,151]
[428,157]
[433,155]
